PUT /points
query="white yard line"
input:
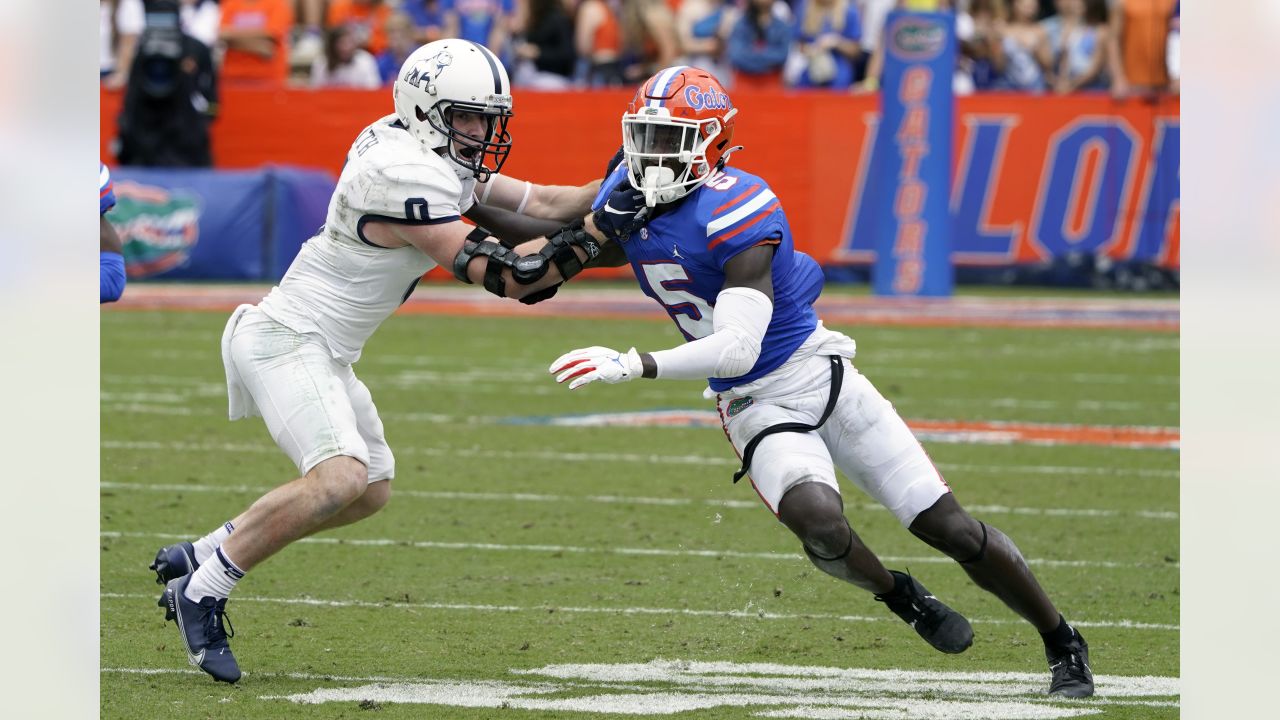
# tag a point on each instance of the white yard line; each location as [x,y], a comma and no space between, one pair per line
[653,458]
[745,613]
[663,687]
[629,500]
[650,552]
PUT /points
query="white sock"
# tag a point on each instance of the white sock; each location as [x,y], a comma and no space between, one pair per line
[207,544]
[216,578]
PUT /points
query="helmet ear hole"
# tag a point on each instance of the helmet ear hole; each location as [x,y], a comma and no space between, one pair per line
[422,114]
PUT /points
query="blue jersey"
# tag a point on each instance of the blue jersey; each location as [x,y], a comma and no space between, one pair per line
[679,259]
[106,192]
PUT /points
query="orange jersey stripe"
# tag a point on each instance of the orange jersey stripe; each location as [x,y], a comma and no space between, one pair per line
[735,201]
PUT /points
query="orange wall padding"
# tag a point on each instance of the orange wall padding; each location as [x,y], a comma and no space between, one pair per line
[809,146]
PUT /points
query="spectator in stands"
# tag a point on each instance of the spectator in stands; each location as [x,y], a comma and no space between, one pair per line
[598,40]
[344,63]
[873,13]
[1139,45]
[828,44]
[648,38]
[759,43]
[702,27]
[483,21]
[171,98]
[1020,51]
[108,42]
[199,19]
[309,33]
[366,18]
[1173,50]
[1082,60]
[544,51]
[1052,24]
[255,33]
[428,19]
[401,41]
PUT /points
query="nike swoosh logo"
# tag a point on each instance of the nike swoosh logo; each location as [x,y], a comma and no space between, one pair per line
[197,658]
[616,212]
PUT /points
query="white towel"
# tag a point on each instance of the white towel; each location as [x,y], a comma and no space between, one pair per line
[239,402]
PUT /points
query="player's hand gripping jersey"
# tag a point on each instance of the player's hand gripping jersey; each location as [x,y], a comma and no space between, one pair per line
[342,286]
[679,259]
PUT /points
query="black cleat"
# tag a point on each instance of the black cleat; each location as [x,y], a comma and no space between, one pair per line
[940,626]
[1070,667]
[174,561]
[204,635]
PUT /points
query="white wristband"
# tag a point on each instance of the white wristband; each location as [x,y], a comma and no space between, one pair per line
[528,188]
[488,188]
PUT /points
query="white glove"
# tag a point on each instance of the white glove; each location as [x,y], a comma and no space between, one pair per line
[588,365]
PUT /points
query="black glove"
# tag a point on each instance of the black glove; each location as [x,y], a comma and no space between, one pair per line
[544,294]
[623,213]
[617,158]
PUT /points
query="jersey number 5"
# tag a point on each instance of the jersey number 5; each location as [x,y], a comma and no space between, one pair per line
[691,313]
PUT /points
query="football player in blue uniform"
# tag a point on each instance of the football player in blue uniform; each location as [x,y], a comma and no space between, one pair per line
[111,256]
[711,244]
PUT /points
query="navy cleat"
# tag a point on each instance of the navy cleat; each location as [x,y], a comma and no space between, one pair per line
[943,628]
[203,634]
[1072,676]
[174,561]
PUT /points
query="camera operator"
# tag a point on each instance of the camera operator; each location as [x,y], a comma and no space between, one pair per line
[171,96]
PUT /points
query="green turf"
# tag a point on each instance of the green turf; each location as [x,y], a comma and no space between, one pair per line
[474,582]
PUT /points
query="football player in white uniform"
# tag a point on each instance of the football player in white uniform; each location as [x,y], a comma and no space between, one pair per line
[395,214]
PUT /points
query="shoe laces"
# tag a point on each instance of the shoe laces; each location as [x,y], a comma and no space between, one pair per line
[926,613]
[218,625]
[1071,665]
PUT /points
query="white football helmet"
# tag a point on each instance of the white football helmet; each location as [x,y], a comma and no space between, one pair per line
[448,75]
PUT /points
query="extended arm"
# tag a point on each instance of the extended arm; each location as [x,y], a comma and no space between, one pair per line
[743,310]
[562,203]
[530,270]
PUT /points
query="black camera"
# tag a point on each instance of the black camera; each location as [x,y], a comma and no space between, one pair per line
[160,50]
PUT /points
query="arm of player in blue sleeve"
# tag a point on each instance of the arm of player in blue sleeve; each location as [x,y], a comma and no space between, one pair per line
[111,267]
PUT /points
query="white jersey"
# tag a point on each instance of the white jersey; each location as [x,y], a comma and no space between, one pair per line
[340,285]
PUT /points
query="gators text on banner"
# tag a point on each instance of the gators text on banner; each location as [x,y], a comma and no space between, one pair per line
[907,222]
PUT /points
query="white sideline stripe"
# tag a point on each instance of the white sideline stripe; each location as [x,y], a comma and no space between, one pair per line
[634,500]
[652,552]
[150,445]
[1134,685]
[473,607]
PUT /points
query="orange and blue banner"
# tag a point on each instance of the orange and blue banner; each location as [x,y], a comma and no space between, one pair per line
[908,222]
[1034,178]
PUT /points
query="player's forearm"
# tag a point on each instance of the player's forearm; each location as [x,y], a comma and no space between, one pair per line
[510,227]
[741,319]
[562,202]
[529,268]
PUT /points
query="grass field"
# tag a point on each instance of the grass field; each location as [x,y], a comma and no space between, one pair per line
[531,570]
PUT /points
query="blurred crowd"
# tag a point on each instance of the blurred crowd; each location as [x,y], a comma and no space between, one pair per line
[1038,46]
